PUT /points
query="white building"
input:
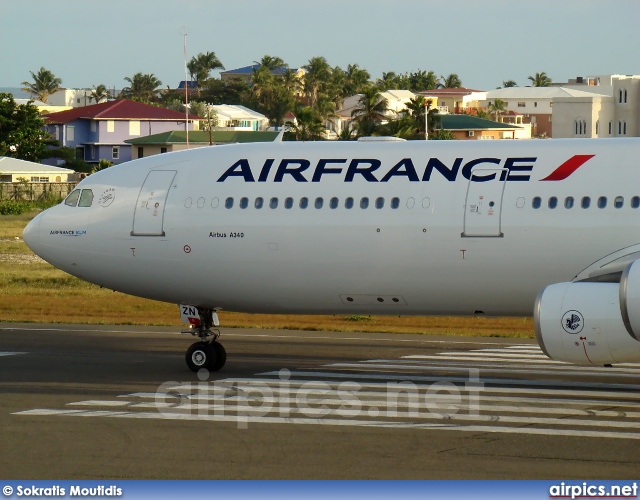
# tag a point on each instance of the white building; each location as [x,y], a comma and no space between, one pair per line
[14,170]
[236,117]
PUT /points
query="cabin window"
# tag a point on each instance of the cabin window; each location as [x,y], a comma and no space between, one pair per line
[304,202]
[319,202]
[244,202]
[395,203]
[333,203]
[364,202]
[379,202]
[635,202]
[259,202]
[618,202]
[273,203]
[288,203]
[586,202]
[602,202]
[72,199]
[568,202]
[536,202]
[553,202]
[348,203]
[228,203]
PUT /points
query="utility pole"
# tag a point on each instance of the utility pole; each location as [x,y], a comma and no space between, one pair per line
[186,87]
[427,106]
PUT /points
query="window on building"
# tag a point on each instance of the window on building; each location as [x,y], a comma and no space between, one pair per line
[92,152]
[115,152]
[535,104]
[39,179]
[521,104]
[624,128]
[93,126]
[597,127]
[111,126]
[140,152]
[134,127]
[620,96]
[610,127]
[625,97]
[71,133]
[163,150]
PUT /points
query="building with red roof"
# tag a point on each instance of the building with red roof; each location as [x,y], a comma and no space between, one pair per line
[99,131]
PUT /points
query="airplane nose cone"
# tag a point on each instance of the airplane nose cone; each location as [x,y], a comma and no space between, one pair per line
[31,233]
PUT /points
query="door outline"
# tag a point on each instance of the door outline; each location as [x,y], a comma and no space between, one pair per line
[476,205]
[148,216]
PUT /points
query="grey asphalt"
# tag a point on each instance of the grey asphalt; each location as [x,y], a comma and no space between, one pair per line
[77,402]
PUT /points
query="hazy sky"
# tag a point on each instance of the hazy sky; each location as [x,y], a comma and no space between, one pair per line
[88,42]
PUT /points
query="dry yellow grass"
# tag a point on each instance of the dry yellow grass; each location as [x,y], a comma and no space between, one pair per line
[37,292]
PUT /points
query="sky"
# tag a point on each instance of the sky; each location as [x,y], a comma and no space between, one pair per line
[87,43]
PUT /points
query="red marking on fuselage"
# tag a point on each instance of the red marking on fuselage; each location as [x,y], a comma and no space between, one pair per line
[585,353]
[567,168]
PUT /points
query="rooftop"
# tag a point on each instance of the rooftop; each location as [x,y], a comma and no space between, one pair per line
[8,164]
[467,122]
[202,137]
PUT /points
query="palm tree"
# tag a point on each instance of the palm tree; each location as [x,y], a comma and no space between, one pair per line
[309,126]
[272,63]
[317,77]
[421,80]
[496,108]
[451,82]
[509,83]
[201,65]
[141,87]
[371,110]
[44,84]
[356,79]
[540,80]
[99,94]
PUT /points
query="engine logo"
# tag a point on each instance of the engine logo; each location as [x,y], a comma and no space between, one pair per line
[572,322]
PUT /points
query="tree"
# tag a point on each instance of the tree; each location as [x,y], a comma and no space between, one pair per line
[371,110]
[317,78]
[509,83]
[421,80]
[44,84]
[442,135]
[22,132]
[356,80]
[451,82]
[99,94]
[540,80]
[496,108]
[272,63]
[201,65]
[143,88]
[309,126]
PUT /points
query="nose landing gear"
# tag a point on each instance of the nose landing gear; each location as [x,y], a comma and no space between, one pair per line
[208,352]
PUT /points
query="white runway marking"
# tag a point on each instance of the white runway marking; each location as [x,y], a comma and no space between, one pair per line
[5,353]
[448,391]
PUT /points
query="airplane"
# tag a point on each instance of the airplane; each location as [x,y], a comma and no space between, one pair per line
[378,226]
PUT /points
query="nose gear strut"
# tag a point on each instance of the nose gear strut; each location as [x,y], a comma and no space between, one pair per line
[207,352]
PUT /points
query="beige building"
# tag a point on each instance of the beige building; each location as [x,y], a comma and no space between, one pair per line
[613,113]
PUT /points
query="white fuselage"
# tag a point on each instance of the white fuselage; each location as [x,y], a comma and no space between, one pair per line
[454,245]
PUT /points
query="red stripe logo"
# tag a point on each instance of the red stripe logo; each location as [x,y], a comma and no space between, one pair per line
[567,168]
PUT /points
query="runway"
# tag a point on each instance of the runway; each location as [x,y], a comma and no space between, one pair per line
[118,402]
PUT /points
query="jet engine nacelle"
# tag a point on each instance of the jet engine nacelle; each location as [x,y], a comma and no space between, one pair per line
[591,323]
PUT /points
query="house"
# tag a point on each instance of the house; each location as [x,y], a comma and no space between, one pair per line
[237,117]
[99,131]
[245,74]
[614,111]
[455,100]
[535,103]
[14,170]
[167,142]
[467,127]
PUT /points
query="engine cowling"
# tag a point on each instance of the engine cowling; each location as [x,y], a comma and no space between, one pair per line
[591,323]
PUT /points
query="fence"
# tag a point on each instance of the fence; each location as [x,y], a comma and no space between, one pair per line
[35,191]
